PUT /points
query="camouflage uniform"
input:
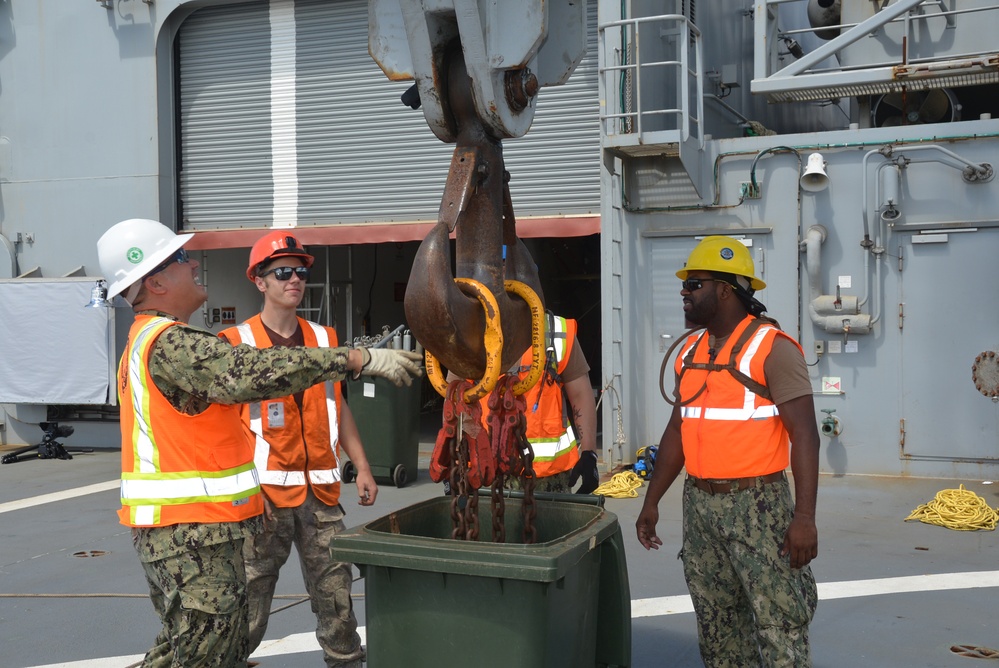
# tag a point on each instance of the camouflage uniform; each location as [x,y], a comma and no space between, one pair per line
[195,572]
[553,484]
[310,527]
[197,586]
[738,581]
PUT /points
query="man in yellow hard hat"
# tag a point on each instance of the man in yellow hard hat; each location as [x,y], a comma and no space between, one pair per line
[189,488]
[743,413]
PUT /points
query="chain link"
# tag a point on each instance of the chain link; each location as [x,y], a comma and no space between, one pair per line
[472,515]
[458,475]
[497,506]
[530,511]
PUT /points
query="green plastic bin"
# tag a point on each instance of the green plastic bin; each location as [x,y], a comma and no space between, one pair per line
[563,602]
[388,419]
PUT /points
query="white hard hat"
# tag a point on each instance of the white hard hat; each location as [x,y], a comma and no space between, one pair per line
[133,248]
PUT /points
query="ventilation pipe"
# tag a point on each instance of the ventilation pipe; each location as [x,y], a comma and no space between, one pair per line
[822,14]
[8,258]
[836,314]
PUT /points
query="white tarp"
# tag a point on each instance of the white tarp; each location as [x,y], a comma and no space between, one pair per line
[52,349]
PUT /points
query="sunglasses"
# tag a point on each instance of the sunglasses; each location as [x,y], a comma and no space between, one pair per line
[180,257]
[692,284]
[284,273]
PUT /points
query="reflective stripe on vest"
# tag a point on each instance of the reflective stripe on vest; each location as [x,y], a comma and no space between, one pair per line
[261,451]
[146,489]
[546,449]
[187,487]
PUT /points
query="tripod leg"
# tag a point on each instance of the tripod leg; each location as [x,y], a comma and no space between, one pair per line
[16,455]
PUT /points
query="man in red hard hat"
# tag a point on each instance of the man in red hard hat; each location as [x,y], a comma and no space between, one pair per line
[297,441]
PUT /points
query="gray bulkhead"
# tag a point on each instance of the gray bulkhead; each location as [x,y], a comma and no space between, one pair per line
[891,300]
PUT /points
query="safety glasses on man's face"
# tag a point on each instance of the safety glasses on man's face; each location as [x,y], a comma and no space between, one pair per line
[692,284]
[180,257]
[284,273]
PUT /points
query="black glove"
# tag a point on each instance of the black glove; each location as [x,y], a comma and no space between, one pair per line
[585,468]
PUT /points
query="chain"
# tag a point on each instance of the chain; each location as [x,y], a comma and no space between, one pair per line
[472,515]
[458,475]
[527,477]
[498,508]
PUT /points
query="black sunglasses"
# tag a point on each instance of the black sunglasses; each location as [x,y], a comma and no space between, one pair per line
[691,284]
[284,273]
[180,257]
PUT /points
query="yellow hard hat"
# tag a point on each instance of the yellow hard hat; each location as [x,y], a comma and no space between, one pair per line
[724,254]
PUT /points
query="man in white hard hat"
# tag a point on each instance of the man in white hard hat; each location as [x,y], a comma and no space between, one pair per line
[189,488]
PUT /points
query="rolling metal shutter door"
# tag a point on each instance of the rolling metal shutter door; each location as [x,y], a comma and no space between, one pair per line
[342,148]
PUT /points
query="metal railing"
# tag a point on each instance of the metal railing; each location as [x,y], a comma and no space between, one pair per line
[626,62]
[805,78]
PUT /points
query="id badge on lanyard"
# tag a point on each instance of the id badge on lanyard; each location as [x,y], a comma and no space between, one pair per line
[275,414]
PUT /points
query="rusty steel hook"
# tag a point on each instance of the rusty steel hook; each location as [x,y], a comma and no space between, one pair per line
[477,207]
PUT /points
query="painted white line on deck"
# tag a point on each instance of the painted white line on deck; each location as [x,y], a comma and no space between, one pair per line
[643,607]
[20,504]
[672,605]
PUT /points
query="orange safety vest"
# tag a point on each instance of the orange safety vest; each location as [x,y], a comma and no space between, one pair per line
[548,429]
[279,428]
[178,468]
[730,431]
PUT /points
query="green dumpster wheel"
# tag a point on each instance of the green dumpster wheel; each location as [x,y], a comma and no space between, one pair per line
[399,476]
[348,472]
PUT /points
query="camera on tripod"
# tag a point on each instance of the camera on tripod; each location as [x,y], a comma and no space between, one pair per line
[54,430]
[49,448]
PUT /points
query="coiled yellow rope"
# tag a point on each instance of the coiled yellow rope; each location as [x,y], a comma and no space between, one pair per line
[957,509]
[622,485]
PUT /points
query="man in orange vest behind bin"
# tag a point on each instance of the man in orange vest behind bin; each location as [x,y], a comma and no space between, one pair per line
[743,412]
[297,441]
[189,488]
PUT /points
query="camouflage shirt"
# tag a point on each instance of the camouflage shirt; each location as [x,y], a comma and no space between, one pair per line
[194,368]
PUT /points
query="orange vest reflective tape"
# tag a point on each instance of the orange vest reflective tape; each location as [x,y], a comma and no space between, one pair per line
[728,430]
[295,447]
[178,468]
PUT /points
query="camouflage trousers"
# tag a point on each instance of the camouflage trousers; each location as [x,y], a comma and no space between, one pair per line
[752,608]
[200,596]
[309,528]
[553,484]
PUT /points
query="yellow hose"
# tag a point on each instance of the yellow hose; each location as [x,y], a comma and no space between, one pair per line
[957,509]
[624,485]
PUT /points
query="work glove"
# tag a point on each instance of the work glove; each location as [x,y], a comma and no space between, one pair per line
[585,468]
[398,366]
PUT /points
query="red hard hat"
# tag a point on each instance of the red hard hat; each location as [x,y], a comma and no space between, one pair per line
[275,244]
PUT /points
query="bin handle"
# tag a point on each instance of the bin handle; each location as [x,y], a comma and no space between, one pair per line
[586,499]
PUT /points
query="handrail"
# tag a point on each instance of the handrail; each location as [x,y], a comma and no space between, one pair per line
[615,73]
